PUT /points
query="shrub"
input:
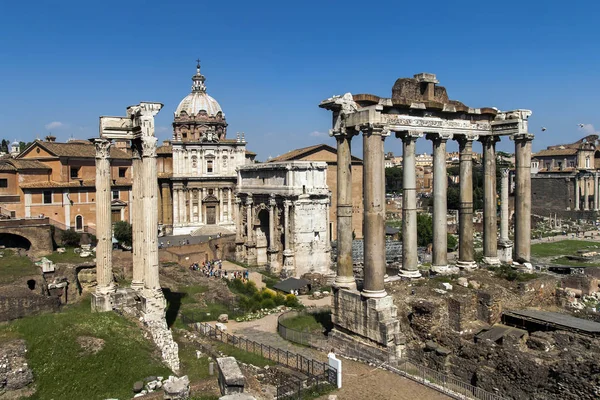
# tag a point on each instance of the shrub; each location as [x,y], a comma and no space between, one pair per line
[123,232]
[267,303]
[70,238]
[292,301]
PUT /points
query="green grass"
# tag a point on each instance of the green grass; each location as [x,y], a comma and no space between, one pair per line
[560,248]
[195,368]
[63,371]
[314,322]
[13,267]
[184,300]
[508,273]
[242,355]
[69,257]
[574,263]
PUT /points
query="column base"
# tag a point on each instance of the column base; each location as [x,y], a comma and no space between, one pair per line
[444,269]
[409,274]
[505,250]
[345,282]
[466,265]
[101,302]
[491,260]
[373,294]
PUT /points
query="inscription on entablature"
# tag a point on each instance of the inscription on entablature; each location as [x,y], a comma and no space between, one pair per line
[420,122]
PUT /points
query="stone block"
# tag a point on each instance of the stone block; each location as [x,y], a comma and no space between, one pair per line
[231,379]
[176,388]
[223,318]
[101,302]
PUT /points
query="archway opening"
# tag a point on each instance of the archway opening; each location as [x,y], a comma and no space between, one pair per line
[79,223]
[31,284]
[10,240]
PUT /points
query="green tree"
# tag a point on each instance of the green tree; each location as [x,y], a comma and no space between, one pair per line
[23,145]
[123,232]
[4,146]
[424,229]
[393,179]
[70,238]
[452,242]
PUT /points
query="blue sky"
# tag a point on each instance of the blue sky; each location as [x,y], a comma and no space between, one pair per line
[269,63]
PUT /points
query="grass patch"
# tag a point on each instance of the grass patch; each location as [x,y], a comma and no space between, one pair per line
[13,266]
[195,368]
[574,263]
[508,273]
[560,248]
[242,355]
[69,257]
[313,322]
[184,301]
[63,370]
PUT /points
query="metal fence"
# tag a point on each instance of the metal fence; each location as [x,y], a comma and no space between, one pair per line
[286,358]
[297,388]
[440,381]
[318,341]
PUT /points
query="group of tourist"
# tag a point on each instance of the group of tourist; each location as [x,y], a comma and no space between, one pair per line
[214,269]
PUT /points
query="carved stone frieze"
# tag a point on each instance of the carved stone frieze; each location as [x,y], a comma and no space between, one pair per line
[149,146]
[102,148]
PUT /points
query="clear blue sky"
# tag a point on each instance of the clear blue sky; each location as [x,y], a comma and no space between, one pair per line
[65,63]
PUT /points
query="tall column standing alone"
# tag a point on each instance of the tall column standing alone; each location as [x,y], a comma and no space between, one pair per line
[440,208]
[576,193]
[374,217]
[490,230]
[465,216]
[410,260]
[137,210]
[101,300]
[504,244]
[586,193]
[345,275]
[150,188]
[523,197]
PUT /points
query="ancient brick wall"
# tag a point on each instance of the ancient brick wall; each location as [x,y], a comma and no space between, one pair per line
[551,194]
[21,302]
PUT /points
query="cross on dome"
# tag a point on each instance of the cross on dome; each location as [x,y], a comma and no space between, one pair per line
[198,79]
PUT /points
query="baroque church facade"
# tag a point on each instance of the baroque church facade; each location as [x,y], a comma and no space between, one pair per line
[204,164]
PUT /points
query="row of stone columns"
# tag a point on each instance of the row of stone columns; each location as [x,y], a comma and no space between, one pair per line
[585,181]
[374,204]
[184,214]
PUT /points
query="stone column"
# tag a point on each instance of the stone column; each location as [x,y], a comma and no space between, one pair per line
[576,193]
[595,191]
[175,206]
[439,259]
[200,198]
[238,220]
[288,253]
[490,229]
[465,216]
[191,205]
[586,193]
[504,206]
[150,188]
[137,226]
[184,209]
[272,204]
[220,205]
[410,260]
[229,209]
[523,197]
[345,276]
[374,211]
[101,300]
[166,203]
[250,219]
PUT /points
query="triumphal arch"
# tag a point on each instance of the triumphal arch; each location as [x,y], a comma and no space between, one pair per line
[418,108]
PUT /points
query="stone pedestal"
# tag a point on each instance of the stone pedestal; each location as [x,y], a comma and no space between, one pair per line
[365,328]
[102,302]
[251,255]
[274,264]
[505,251]
[288,264]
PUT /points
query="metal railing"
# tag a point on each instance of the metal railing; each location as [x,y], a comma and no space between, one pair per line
[316,370]
[296,388]
[317,341]
[441,382]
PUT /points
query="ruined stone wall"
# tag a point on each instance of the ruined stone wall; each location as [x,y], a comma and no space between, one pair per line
[218,248]
[17,302]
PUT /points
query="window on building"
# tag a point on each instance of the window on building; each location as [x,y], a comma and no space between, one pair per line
[115,195]
[47,197]
[122,172]
[75,172]
[79,223]
[560,165]
[571,164]
[3,183]
[587,162]
[209,167]
[547,165]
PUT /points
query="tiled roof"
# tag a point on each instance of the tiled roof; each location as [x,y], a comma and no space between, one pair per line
[12,164]
[556,152]
[299,153]
[71,184]
[79,149]
[250,153]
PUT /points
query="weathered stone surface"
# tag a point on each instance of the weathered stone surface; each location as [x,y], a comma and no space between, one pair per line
[176,388]
[231,379]
[18,302]
[237,396]
[15,373]
[138,386]
[223,318]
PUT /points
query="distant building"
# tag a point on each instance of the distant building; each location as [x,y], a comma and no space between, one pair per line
[57,180]
[565,180]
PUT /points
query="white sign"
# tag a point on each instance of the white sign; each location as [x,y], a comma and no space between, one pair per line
[337,365]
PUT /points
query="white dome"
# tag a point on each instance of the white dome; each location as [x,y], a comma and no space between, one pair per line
[195,102]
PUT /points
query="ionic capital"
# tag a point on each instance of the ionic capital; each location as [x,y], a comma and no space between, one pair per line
[102,148]
[409,136]
[504,172]
[522,137]
[272,201]
[249,200]
[489,139]
[149,146]
[373,129]
[465,139]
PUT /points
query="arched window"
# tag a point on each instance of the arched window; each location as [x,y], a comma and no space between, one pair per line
[209,167]
[194,162]
[587,162]
[79,223]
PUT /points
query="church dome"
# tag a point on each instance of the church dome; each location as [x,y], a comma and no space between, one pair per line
[198,100]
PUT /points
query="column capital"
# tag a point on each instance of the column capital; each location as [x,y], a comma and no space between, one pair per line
[343,133]
[238,200]
[149,146]
[491,139]
[463,139]
[102,148]
[287,203]
[504,172]
[373,129]
[522,137]
[408,136]
[438,137]
[249,199]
